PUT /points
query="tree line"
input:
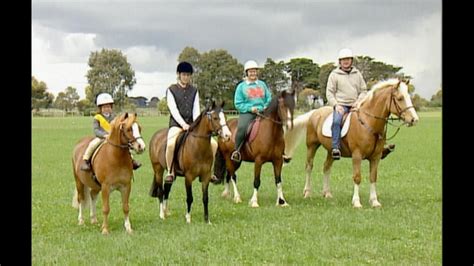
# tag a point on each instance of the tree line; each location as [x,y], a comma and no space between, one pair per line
[216,74]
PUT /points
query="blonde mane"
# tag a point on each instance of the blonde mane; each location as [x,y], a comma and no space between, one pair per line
[379,85]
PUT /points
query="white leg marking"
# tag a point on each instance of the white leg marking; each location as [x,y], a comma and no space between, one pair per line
[280,196]
[355,197]
[373,197]
[237,198]
[128,226]
[254,200]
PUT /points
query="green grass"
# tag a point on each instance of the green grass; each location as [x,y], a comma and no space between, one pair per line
[406,230]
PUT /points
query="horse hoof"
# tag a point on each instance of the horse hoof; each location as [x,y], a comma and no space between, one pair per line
[225,194]
[129,231]
[188,218]
[376,204]
[357,205]
[81,222]
[306,194]
[327,195]
[93,220]
[105,232]
[254,205]
[237,200]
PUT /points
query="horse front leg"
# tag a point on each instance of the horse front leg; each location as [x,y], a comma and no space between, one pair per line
[373,201]
[356,162]
[105,208]
[277,164]
[256,184]
[125,191]
[205,198]
[189,197]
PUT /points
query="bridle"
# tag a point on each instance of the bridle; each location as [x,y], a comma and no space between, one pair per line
[387,119]
[130,141]
[216,131]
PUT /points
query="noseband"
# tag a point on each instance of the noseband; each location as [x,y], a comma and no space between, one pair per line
[129,141]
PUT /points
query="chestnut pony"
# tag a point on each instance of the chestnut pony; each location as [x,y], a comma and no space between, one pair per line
[112,166]
[193,157]
[365,138]
[268,146]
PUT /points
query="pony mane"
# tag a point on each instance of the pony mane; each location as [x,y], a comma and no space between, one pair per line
[376,87]
[272,107]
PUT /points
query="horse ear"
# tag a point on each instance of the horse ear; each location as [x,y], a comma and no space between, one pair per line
[407,81]
[222,104]
[125,116]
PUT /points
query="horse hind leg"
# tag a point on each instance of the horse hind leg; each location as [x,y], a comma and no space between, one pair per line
[327,175]
[93,205]
[256,184]
[311,151]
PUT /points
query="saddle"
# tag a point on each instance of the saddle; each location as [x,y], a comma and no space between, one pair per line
[327,124]
[94,154]
[251,132]
[177,147]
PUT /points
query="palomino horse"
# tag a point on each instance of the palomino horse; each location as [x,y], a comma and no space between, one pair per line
[192,159]
[268,146]
[365,138]
[112,166]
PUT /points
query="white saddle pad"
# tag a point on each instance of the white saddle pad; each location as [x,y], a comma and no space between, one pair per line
[328,123]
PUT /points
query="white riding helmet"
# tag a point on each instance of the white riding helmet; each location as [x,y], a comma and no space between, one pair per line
[345,53]
[250,64]
[104,98]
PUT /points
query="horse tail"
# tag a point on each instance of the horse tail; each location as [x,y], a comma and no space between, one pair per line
[219,165]
[294,136]
[87,198]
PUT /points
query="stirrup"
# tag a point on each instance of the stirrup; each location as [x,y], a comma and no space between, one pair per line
[235,156]
[86,165]
[336,154]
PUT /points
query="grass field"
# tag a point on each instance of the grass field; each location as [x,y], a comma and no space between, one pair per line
[405,231]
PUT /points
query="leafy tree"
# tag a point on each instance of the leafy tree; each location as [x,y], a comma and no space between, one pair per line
[192,56]
[323,78]
[217,73]
[40,97]
[304,73]
[85,106]
[274,75]
[67,100]
[437,99]
[110,72]
[304,96]
[163,106]
[419,102]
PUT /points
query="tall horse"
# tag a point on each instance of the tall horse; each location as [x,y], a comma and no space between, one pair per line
[365,138]
[193,158]
[111,169]
[268,146]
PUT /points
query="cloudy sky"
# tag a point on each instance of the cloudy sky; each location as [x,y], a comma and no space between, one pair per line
[152,34]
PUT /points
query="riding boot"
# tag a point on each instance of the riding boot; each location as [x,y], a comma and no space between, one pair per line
[136,164]
[86,165]
[387,150]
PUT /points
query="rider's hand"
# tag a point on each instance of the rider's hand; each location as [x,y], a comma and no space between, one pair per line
[340,109]
[186,127]
[254,110]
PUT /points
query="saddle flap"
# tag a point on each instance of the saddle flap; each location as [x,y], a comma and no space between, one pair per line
[327,132]
[251,132]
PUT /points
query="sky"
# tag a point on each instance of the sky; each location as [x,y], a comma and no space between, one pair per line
[152,34]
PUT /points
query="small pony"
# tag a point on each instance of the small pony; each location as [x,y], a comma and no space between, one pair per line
[111,169]
[365,138]
[193,157]
[268,146]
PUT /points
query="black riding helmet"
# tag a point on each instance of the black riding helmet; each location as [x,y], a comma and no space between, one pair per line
[184,67]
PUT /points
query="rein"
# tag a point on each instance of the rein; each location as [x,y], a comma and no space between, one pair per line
[123,146]
[269,118]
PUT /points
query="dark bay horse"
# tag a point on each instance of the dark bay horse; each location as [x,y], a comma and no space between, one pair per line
[193,159]
[268,146]
[365,138]
[112,166]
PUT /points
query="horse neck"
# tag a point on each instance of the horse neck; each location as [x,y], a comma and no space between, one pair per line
[379,107]
[116,139]
[202,129]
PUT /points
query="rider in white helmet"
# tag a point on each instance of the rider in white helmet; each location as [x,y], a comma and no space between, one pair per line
[101,126]
[251,97]
[345,88]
